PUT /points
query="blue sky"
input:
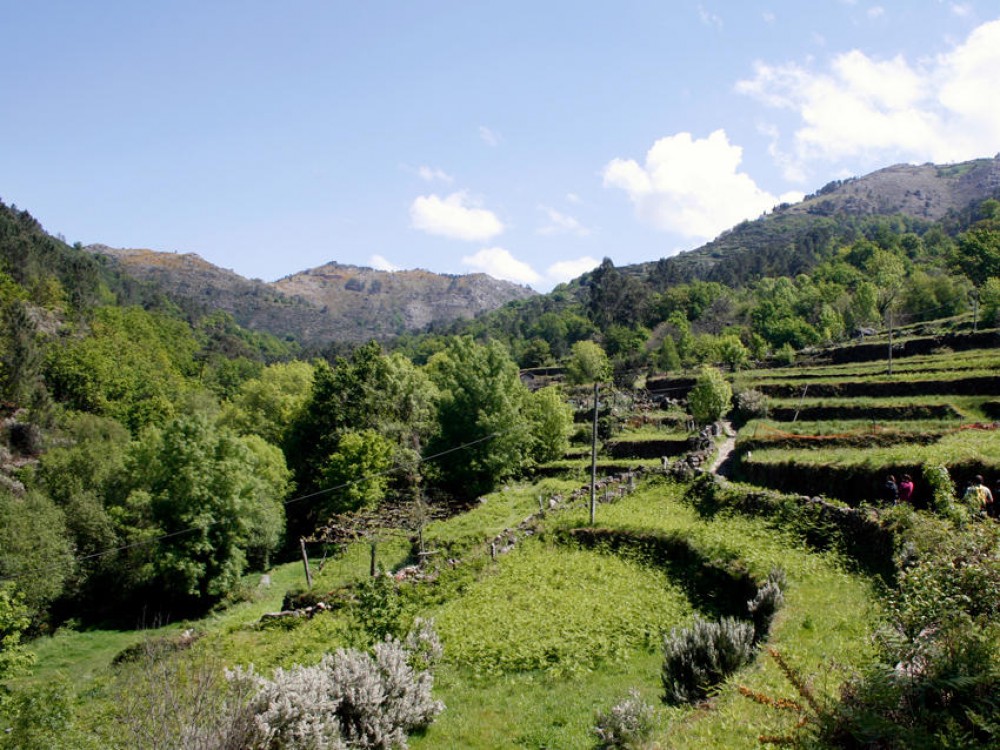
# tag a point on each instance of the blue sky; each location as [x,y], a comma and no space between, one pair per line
[525,139]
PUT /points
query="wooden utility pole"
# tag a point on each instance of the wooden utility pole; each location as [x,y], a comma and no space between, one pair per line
[305,562]
[593,462]
[890,341]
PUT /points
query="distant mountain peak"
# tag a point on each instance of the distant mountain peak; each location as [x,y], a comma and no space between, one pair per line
[331,302]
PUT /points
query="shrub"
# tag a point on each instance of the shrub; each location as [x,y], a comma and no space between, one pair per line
[766,604]
[785,355]
[751,404]
[943,497]
[710,397]
[350,699]
[628,724]
[698,658]
[178,701]
[936,679]
[293,710]
[380,608]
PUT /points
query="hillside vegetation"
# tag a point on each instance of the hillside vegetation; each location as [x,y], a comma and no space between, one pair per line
[207,540]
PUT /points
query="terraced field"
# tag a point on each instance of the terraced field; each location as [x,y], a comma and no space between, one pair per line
[851,425]
[545,617]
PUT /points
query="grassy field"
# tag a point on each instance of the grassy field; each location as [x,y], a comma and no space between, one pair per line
[825,622]
[539,639]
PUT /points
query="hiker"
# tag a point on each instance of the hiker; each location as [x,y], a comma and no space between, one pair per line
[978,496]
[890,490]
[906,489]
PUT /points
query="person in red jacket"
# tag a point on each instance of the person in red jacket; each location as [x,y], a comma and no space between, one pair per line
[906,489]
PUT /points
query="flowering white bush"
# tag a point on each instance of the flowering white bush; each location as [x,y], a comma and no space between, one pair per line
[628,724]
[351,699]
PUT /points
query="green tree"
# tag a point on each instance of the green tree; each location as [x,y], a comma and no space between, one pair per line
[480,407]
[989,296]
[355,473]
[551,420]
[667,358]
[34,548]
[711,396]
[588,364]
[208,496]
[368,391]
[978,252]
[21,354]
[732,352]
[536,353]
[14,620]
[133,366]
[616,299]
[863,310]
[267,405]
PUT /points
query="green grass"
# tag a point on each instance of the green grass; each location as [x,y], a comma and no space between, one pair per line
[533,710]
[822,630]
[969,406]
[499,511]
[846,426]
[535,642]
[651,432]
[546,607]
[987,360]
[579,469]
[959,447]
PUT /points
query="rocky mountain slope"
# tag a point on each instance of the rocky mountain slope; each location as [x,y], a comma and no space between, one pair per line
[789,239]
[331,303]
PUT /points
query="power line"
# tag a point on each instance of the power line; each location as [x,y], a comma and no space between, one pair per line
[192,529]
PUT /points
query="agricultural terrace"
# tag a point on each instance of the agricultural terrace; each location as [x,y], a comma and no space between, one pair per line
[545,617]
[839,429]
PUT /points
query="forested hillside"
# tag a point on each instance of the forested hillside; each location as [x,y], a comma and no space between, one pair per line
[150,450]
[157,458]
[782,284]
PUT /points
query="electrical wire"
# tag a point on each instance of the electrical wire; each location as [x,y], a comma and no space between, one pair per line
[300,498]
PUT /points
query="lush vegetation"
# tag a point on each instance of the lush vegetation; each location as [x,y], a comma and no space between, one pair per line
[158,459]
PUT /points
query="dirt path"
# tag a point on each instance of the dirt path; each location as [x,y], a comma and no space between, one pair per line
[722,464]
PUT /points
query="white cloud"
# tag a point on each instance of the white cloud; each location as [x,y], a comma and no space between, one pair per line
[690,186]
[709,18]
[490,137]
[876,11]
[962,10]
[564,270]
[940,109]
[768,17]
[379,263]
[500,264]
[573,198]
[455,216]
[430,174]
[559,223]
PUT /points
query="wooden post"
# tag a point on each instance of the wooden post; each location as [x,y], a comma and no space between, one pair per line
[374,553]
[305,562]
[493,550]
[890,341]
[593,462]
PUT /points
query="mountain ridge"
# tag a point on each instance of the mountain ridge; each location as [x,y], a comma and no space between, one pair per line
[331,302]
